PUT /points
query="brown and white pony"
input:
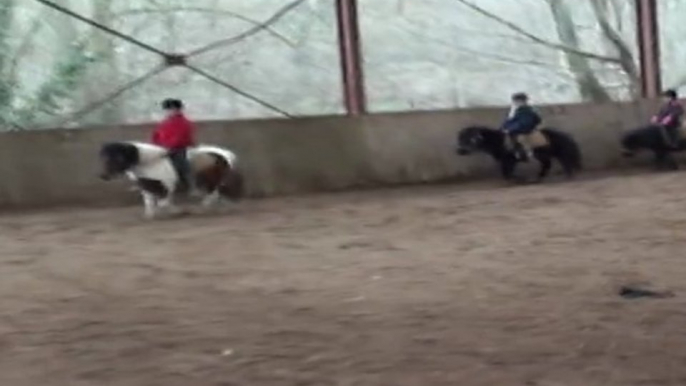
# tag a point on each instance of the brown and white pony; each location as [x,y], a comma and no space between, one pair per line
[150,168]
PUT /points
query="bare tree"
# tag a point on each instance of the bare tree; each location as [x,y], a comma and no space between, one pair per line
[103,48]
[626,58]
[65,76]
[589,86]
[578,58]
[537,39]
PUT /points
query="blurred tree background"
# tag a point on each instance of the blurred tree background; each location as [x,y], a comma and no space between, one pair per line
[56,71]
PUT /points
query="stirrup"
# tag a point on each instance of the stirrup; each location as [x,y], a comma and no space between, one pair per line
[521,154]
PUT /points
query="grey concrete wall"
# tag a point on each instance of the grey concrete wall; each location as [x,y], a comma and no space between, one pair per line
[301,155]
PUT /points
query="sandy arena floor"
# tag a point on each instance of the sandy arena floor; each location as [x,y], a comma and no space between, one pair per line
[422,286]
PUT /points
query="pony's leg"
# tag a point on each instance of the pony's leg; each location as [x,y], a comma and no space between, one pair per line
[167,203]
[134,180]
[507,168]
[568,169]
[211,199]
[149,205]
[665,161]
[671,162]
[546,163]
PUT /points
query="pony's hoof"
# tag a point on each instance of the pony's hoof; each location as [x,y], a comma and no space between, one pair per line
[209,203]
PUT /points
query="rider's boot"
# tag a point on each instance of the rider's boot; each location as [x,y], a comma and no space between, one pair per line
[191,186]
[523,153]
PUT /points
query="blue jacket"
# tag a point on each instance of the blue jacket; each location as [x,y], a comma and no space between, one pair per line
[524,121]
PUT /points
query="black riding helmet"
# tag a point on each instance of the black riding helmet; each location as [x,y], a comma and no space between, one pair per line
[671,94]
[520,97]
[172,104]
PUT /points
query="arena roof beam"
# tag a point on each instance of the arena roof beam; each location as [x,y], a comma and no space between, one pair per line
[351,57]
[649,47]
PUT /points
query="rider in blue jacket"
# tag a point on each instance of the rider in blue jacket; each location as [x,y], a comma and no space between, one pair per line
[522,120]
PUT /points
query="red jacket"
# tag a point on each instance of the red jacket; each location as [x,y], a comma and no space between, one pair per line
[175,132]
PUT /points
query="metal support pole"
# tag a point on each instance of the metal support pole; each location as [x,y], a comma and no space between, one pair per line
[351,56]
[649,47]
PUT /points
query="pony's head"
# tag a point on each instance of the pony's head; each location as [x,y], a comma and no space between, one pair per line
[116,158]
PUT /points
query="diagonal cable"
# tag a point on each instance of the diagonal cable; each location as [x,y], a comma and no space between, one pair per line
[174,59]
[111,96]
[264,25]
[222,12]
[109,30]
[237,90]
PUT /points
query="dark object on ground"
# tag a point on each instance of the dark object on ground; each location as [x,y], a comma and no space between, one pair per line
[629,292]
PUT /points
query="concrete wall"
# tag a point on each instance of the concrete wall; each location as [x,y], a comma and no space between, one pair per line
[301,155]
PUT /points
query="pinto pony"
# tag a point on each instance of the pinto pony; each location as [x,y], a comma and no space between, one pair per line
[151,169]
[560,146]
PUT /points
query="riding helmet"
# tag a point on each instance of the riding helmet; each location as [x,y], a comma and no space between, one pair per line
[671,93]
[520,97]
[172,104]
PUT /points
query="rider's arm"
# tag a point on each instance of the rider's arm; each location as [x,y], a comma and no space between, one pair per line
[661,115]
[511,122]
[536,119]
[508,125]
[666,120]
[181,134]
[528,120]
[158,135]
[523,120]
[672,114]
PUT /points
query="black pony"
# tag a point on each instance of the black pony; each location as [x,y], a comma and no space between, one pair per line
[490,141]
[652,139]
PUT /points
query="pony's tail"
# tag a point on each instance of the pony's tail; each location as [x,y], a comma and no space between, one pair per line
[566,147]
[575,157]
[233,185]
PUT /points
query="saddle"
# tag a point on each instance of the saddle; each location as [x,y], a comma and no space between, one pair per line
[200,161]
[533,140]
[197,161]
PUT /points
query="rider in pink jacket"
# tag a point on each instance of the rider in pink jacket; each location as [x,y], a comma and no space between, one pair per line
[668,119]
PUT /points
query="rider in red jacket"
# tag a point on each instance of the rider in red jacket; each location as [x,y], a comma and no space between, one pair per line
[176,133]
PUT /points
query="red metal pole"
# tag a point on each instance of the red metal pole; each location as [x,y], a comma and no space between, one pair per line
[649,48]
[351,56]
